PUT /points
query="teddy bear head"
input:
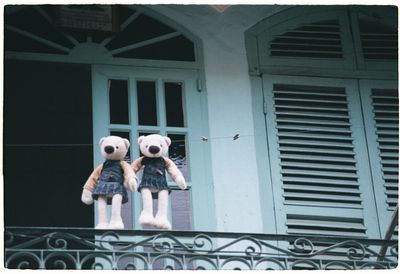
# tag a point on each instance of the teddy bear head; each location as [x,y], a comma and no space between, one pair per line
[114,147]
[154,145]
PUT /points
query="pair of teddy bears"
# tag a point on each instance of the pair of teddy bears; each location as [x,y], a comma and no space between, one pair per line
[109,182]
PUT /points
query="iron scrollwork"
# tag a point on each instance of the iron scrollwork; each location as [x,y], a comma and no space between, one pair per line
[59,248]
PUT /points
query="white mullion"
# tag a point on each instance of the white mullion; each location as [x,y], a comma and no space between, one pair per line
[37,38]
[70,38]
[122,27]
[161,115]
[128,21]
[134,115]
[119,127]
[145,43]
[44,14]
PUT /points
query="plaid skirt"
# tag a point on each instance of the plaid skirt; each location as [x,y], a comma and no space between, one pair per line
[109,189]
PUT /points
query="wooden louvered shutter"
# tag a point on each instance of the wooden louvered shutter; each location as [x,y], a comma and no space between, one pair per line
[320,176]
[375,37]
[320,38]
[381,115]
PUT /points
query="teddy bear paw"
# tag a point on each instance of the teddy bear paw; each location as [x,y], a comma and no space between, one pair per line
[87,197]
[101,226]
[180,181]
[131,184]
[117,224]
[162,223]
[146,219]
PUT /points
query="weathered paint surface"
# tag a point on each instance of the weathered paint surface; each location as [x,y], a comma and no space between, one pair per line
[234,166]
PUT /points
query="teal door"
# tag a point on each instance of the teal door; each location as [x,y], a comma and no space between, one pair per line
[130,102]
[326,171]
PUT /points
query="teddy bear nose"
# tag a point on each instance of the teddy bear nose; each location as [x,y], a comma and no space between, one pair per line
[109,149]
[154,149]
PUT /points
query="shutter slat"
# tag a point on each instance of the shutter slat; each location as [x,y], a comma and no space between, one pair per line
[307,165]
[310,135]
[316,52]
[306,100]
[312,121]
[323,158]
[308,114]
[314,108]
[319,188]
[326,203]
[314,128]
[321,196]
[385,126]
[325,151]
[319,173]
[327,224]
[321,181]
[314,40]
[299,92]
[316,143]
[327,233]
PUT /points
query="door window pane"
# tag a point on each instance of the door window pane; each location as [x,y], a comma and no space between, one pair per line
[174,104]
[181,210]
[147,103]
[119,103]
[125,135]
[177,153]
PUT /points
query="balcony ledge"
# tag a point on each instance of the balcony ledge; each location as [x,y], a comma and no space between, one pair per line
[87,248]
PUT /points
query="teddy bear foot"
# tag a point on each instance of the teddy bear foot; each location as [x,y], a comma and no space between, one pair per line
[162,223]
[101,226]
[116,225]
[146,220]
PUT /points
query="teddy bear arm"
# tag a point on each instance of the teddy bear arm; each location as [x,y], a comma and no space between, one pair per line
[92,180]
[129,174]
[175,173]
[137,164]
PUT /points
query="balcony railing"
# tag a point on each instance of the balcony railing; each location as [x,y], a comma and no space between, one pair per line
[81,248]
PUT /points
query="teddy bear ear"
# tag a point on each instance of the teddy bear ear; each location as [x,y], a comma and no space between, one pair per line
[102,140]
[140,139]
[167,140]
[126,142]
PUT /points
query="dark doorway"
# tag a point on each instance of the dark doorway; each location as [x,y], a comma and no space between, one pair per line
[47,144]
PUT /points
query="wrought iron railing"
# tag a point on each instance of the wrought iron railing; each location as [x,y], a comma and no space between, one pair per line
[81,248]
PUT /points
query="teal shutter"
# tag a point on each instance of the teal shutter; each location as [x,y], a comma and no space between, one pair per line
[381,115]
[320,178]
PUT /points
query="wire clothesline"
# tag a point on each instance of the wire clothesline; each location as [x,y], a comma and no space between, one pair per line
[199,139]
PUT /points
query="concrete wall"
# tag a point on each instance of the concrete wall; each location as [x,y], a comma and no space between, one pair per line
[236,184]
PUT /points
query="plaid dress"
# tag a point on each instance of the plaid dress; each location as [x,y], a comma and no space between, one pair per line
[153,174]
[111,182]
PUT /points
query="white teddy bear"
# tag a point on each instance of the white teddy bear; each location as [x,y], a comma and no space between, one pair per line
[108,182]
[154,148]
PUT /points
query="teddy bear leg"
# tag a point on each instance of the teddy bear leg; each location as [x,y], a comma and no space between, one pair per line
[161,220]
[146,217]
[116,220]
[102,213]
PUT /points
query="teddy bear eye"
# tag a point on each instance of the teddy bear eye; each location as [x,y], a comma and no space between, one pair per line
[161,145]
[117,147]
[147,146]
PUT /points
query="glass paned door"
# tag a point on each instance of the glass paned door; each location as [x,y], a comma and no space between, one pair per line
[130,102]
